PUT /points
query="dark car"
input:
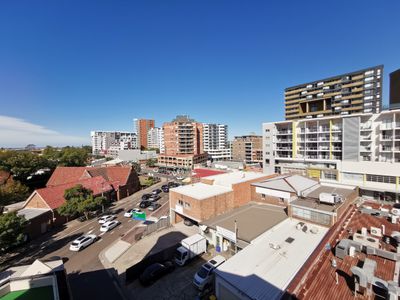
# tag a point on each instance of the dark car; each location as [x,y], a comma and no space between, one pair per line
[145,203]
[171,184]
[165,188]
[156,191]
[154,198]
[155,271]
[154,206]
[146,196]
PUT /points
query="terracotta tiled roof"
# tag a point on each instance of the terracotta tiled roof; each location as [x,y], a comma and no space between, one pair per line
[118,175]
[54,196]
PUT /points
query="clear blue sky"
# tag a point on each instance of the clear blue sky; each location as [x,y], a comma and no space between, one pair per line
[69,67]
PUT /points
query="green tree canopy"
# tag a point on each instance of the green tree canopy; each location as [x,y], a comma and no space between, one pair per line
[136,167]
[11,230]
[151,162]
[13,191]
[80,200]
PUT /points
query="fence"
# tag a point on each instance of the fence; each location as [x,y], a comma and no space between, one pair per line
[162,223]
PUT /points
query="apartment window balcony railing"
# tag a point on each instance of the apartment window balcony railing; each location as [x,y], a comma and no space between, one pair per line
[312,139]
[387,137]
[397,124]
[312,129]
[324,129]
[312,156]
[311,149]
[386,126]
[284,132]
[366,158]
[323,157]
[397,137]
[337,149]
[323,148]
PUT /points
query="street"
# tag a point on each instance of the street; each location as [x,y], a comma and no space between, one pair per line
[86,275]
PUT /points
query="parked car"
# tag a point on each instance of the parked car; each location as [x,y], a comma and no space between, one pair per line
[154,198]
[156,192]
[205,275]
[146,196]
[82,242]
[154,206]
[188,222]
[155,271]
[165,188]
[171,183]
[129,213]
[109,225]
[145,203]
[106,218]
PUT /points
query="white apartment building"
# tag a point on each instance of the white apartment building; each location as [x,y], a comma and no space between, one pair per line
[155,139]
[357,150]
[215,141]
[110,142]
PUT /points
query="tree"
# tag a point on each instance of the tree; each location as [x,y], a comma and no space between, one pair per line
[151,162]
[80,200]
[136,167]
[13,191]
[11,230]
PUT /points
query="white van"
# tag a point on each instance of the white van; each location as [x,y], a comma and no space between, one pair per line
[206,272]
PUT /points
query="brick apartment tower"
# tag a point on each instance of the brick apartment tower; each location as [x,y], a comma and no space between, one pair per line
[183,136]
[142,126]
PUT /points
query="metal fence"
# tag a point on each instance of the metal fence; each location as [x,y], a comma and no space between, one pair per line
[162,223]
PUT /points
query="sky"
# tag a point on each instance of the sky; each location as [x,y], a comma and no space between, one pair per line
[69,67]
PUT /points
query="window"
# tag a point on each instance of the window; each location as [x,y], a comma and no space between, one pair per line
[352,176]
[267,161]
[381,178]
[187,205]
[180,202]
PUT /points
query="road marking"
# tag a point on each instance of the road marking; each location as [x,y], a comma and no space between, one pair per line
[89,232]
[130,221]
[121,226]
[111,232]
[91,227]
[102,233]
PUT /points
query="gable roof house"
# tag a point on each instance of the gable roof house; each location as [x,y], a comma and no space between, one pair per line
[40,209]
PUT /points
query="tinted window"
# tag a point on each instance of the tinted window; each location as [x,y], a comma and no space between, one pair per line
[203,272]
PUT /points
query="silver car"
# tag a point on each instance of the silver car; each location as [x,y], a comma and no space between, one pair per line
[82,242]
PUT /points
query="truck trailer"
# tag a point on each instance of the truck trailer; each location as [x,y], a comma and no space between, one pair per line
[190,248]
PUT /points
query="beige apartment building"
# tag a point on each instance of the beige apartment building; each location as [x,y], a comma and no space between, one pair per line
[183,142]
[247,148]
[355,92]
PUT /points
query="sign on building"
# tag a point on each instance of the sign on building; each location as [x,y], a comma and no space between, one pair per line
[229,235]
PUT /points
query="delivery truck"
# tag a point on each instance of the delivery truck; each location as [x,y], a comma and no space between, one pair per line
[190,247]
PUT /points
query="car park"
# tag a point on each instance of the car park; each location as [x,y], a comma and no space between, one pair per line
[106,218]
[206,273]
[155,271]
[130,212]
[146,196]
[109,225]
[156,191]
[145,203]
[154,206]
[82,242]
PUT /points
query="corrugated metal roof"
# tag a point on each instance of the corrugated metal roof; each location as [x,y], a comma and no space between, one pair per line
[261,272]
[201,190]
[30,213]
[288,183]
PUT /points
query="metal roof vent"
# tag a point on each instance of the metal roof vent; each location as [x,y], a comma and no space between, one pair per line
[289,240]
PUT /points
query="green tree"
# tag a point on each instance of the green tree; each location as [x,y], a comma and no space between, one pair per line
[80,200]
[136,167]
[13,191]
[151,162]
[11,230]
[73,157]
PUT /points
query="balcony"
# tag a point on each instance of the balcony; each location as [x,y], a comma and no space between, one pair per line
[386,126]
[387,137]
[284,141]
[284,132]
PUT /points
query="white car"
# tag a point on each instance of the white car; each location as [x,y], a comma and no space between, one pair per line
[82,242]
[106,218]
[129,213]
[109,225]
[206,273]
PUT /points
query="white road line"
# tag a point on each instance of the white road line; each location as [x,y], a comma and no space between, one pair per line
[130,221]
[89,232]
[91,227]
[121,226]
[102,233]
[111,232]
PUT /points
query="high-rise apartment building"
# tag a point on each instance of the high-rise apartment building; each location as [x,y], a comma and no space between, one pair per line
[183,142]
[358,150]
[215,141]
[247,148]
[109,142]
[155,139]
[141,127]
[394,99]
[355,92]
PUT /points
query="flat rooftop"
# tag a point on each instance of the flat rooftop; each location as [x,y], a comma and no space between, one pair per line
[330,190]
[228,179]
[262,272]
[252,220]
[312,203]
[201,191]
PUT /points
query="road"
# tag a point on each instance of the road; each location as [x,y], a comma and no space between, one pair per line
[86,275]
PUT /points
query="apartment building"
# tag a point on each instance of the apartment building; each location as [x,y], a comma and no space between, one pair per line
[108,143]
[155,139]
[247,148]
[183,142]
[357,150]
[350,93]
[394,99]
[215,141]
[141,127]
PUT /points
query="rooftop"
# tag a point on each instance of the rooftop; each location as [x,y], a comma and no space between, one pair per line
[264,269]
[288,183]
[31,213]
[205,172]
[252,220]
[330,190]
[228,179]
[201,190]
[42,293]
